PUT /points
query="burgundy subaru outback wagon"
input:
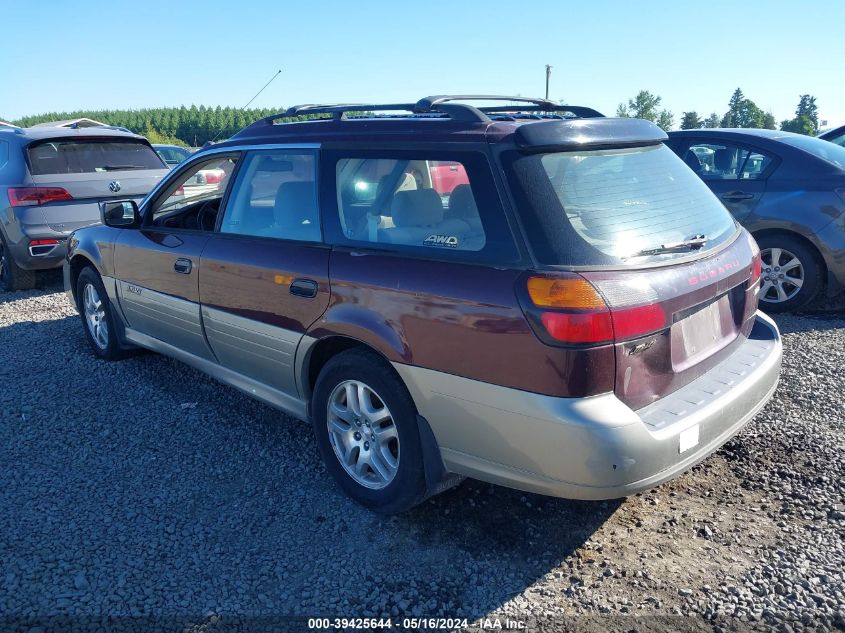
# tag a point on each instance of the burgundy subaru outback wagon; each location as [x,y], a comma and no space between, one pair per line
[532,295]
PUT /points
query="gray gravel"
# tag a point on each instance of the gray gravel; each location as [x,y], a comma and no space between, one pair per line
[144,488]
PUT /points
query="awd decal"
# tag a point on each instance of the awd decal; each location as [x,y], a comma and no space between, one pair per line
[449,241]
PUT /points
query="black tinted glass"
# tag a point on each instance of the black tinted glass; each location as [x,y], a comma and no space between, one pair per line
[90,156]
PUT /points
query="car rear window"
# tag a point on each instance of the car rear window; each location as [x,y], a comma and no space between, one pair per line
[605,207]
[72,156]
[827,151]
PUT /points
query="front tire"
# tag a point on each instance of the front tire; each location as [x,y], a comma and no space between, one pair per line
[365,423]
[97,319]
[12,276]
[792,274]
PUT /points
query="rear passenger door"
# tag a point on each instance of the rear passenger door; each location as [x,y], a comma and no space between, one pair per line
[264,274]
[736,173]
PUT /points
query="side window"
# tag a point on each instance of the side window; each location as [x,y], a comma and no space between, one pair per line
[725,161]
[192,200]
[275,195]
[409,202]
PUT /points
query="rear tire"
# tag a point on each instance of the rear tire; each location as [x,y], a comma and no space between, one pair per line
[97,319]
[792,276]
[365,423]
[12,276]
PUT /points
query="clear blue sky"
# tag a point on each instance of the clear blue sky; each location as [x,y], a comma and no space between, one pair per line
[91,54]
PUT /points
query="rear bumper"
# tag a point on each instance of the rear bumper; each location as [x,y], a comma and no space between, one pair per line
[596,447]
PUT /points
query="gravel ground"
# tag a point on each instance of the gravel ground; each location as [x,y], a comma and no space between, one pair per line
[143,488]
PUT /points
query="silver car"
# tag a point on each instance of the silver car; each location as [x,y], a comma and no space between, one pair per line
[52,181]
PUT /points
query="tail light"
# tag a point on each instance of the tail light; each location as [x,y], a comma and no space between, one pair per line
[39,248]
[33,196]
[566,308]
[756,261]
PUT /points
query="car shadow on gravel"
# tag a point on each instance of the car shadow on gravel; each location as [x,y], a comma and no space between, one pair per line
[145,488]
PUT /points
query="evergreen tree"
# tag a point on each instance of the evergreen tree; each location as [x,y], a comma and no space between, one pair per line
[691,121]
[712,121]
[807,108]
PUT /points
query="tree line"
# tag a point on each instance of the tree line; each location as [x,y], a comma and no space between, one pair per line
[194,126]
[742,112]
[190,126]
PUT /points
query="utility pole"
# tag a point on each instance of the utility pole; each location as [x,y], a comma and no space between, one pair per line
[548,73]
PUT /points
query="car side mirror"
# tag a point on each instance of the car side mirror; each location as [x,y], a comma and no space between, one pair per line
[121,214]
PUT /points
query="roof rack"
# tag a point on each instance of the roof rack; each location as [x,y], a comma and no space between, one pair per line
[434,105]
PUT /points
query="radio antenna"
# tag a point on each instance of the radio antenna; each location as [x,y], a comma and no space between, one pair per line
[278,72]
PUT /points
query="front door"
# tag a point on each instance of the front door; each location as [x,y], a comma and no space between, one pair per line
[264,275]
[157,266]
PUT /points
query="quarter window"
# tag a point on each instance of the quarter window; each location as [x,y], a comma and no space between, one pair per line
[275,195]
[725,161]
[409,202]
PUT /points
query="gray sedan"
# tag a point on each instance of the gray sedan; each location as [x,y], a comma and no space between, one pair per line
[52,181]
[789,191]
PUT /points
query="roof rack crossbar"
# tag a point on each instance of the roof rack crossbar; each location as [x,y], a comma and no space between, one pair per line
[430,102]
[579,111]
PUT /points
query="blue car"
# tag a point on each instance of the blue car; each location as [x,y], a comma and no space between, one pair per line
[788,190]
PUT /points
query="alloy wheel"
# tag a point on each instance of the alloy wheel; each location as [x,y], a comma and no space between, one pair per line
[783,275]
[95,316]
[363,434]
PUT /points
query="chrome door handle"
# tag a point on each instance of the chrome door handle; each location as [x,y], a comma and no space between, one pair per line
[737,195]
[304,288]
[183,265]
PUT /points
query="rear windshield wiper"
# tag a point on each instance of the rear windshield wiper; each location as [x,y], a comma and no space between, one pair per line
[119,167]
[691,244]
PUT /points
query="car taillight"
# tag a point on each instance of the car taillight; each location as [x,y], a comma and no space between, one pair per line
[756,261]
[31,196]
[756,268]
[212,178]
[571,311]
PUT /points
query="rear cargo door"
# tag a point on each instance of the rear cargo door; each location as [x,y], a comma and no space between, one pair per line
[709,306]
[671,265]
[91,170]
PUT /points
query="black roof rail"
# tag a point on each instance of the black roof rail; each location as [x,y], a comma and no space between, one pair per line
[436,104]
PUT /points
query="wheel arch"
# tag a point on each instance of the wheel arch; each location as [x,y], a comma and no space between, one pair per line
[769,232]
[75,266]
[320,352]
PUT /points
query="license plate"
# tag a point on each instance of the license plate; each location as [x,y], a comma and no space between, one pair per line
[703,329]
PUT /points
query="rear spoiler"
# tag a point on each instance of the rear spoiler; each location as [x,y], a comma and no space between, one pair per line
[594,133]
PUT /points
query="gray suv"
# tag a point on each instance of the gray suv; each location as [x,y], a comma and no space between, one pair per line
[52,181]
